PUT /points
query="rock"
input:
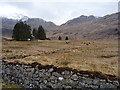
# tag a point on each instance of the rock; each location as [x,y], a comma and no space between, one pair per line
[36,67]
[93,86]
[37,78]
[45,81]
[69,81]
[48,74]
[81,85]
[85,75]
[51,70]
[88,81]
[79,74]
[57,86]
[60,78]
[102,80]
[8,71]
[74,77]
[107,85]
[56,74]
[53,78]
[41,74]
[65,72]
[108,80]
[68,87]
[96,82]
[116,83]
[42,86]
[42,70]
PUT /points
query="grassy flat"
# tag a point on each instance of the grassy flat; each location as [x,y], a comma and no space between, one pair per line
[101,56]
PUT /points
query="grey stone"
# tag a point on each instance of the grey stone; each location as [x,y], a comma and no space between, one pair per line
[36,72]
[51,70]
[62,82]
[107,85]
[68,87]
[57,85]
[81,85]
[36,67]
[102,80]
[69,81]
[96,81]
[65,72]
[108,80]
[45,81]
[41,74]
[37,78]
[88,80]
[116,83]
[42,70]
[79,74]
[85,75]
[56,74]
[8,71]
[42,85]
[74,77]
[53,78]
[86,85]
[48,74]
[93,86]
[60,78]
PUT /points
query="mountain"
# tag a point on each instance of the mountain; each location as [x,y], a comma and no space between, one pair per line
[89,27]
[83,27]
[35,22]
[80,19]
[8,24]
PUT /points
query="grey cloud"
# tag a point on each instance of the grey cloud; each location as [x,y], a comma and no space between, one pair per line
[60,12]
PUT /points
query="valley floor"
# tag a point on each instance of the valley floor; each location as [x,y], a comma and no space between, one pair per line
[101,56]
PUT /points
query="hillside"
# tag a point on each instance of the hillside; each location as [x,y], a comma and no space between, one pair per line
[97,28]
[80,19]
[83,27]
[8,24]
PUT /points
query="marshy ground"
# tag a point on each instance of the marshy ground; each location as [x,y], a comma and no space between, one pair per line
[101,56]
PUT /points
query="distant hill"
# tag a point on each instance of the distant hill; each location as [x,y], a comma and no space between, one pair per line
[8,25]
[83,27]
[80,19]
[89,27]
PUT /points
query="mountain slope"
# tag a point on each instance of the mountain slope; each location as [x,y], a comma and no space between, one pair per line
[99,28]
[80,19]
[83,27]
[8,24]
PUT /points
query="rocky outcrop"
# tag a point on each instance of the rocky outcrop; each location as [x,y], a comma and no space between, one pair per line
[49,77]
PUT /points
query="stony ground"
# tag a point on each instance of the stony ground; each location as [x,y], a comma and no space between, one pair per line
[49,77]
[101,56]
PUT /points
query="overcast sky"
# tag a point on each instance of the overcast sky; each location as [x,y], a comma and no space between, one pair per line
[57,12]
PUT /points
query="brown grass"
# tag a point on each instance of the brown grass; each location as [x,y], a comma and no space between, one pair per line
[98,56]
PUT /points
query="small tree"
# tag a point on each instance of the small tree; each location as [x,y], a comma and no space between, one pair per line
[35,33]
[59,38]
[41,33]
[21,31]
[66,38]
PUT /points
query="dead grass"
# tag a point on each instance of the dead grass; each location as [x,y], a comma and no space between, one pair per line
[99,56]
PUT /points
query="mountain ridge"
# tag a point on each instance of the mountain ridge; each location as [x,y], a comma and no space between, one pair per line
[82,27]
